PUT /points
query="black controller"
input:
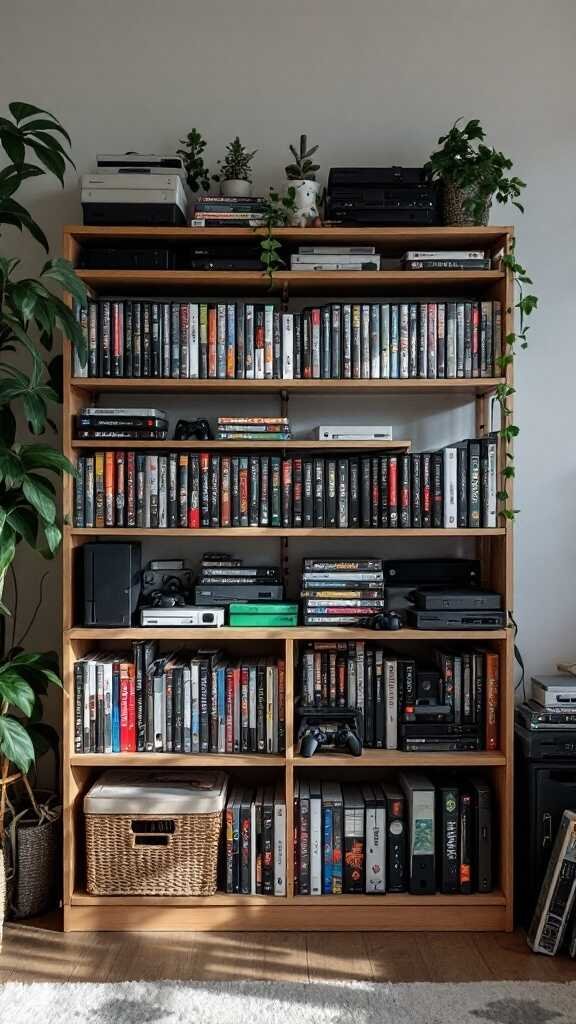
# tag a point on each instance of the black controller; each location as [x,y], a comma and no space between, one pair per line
[332,728]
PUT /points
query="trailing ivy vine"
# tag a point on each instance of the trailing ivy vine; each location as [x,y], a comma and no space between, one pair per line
[525,306]
[277,212]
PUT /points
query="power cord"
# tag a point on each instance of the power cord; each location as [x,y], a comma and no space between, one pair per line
[518,656]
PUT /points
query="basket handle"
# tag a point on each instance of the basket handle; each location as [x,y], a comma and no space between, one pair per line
[152,832]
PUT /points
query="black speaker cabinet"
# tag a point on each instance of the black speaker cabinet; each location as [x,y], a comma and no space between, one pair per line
[108,584]
[544,789]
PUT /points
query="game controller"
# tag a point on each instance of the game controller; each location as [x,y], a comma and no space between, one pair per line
[340,736]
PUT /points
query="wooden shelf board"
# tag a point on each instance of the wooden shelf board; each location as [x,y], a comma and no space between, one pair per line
[467,386]
[265,531]
[401,758]
[288,633]
[320,282]
[178,760]
[392,899]
[383,237]
[221,446]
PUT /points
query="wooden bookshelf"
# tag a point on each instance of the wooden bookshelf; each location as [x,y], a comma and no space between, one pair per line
[403,911]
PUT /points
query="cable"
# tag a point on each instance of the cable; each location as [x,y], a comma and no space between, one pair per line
[517,654]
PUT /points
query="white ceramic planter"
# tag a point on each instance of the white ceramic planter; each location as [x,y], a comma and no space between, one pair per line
[235,188]
[307,202]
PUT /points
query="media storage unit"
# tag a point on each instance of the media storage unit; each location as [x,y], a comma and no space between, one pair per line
[401,911]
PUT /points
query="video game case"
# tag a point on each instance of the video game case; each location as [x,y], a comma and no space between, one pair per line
[447,810]
[396,838]
[558,891]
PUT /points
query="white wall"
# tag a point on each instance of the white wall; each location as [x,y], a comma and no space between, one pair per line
[374,82]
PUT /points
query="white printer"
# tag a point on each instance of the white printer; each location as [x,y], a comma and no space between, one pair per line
[134,198]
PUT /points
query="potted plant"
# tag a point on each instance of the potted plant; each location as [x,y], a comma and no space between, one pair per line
[472,175]
[30,316]
[197,174]
[235,175]
[302,176]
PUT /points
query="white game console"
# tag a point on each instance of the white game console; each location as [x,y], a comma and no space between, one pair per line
[191,617]
[140,163]
[554,692]
[350,432]
[133,199]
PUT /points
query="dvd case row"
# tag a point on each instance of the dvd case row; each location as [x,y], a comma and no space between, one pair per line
[128,337]
[409,834]
[449,703]
[178,702]
[451,488]
[255,841]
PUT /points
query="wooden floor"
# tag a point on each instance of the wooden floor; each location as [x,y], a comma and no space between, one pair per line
[40,952]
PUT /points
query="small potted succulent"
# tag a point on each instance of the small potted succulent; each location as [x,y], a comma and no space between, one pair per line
[472,175]
[235,174]
[302,176]
[197,174]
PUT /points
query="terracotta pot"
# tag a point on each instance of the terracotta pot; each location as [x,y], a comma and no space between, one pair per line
[454,210]
[235,188]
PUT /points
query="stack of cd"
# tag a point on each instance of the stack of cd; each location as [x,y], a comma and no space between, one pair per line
[224,580]
[228,212]
[100,424]
[253,428]
[341,592]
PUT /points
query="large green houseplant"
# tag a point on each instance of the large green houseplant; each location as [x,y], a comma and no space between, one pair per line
[33,143]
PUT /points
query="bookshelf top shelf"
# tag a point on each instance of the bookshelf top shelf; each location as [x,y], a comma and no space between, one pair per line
[287,633]
[392,237]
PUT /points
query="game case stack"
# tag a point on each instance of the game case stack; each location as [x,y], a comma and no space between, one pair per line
[120,424]
[448,704]
[224,580]
[335,257]
[253,428]
[452,488]
[178,702]
[228,212]
[179,338]
[341,592]
[255,841]
[455,259]
[406,834]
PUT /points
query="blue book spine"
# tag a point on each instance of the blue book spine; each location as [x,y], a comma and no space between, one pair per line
[327,850]
[115,708]
[221,699]
[231,340]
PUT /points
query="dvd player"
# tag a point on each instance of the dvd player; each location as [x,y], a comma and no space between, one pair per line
[209,618]
[419,619]
[227,594]
[456,600]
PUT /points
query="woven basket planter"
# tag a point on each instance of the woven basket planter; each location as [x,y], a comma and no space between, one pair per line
[454,210]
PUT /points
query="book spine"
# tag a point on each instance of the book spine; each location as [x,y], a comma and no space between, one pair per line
[268,342]
[231,340]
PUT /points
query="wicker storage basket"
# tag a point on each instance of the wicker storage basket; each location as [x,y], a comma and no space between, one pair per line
[154,833]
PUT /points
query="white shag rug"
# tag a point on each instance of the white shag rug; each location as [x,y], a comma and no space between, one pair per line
[256,1002]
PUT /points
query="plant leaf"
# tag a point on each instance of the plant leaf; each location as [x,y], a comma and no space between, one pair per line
[15,690]
[15,743]
[38,494]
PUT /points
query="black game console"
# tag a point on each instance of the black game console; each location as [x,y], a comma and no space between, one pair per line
[546,744]
[109,584]
[382,196]
[233,593]
[329,728]
[456,600]
[418,619]
[117,258]
[404,575]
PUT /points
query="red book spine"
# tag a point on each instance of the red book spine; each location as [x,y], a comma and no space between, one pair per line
[393,490]
[492,700]
[225,491]
[204,489]
[244,708]
[131,708]
[124,708]
[243,485]
[236,716]
[130,489]
[194,492]
[475,345]
[109,492]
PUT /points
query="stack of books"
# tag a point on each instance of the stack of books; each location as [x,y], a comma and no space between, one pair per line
[189,702]
[225,581]
[228,212]
[253,428]
[264,615]
[255,860]
[459,711]
[406,834]
[335,257]
[454,259]
[338,592]
[102,424]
